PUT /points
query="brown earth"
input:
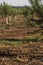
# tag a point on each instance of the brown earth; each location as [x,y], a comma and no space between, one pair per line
[26,54]
[19,33]
[17,18]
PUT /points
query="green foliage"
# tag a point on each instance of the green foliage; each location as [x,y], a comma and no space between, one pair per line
[25,11]
[4,9]
[11,42]
[37,7]
[35,37]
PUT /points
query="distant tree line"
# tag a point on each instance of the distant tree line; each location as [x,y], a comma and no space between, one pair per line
[35,9]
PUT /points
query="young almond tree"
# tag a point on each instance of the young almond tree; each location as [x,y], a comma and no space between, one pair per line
[4,11]
[37,7]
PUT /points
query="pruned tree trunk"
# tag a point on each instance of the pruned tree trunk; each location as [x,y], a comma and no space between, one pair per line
[6,19]
[9,18]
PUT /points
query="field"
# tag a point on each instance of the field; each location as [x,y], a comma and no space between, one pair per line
[26,54]
[21,34]
[21,43]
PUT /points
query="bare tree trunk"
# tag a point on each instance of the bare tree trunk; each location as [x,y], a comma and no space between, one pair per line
[9,18]
[6,19]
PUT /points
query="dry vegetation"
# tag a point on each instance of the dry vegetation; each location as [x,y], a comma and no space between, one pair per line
[21,34]
[21,46]
[26,54]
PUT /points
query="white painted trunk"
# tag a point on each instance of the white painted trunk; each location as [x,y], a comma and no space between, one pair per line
[6,20]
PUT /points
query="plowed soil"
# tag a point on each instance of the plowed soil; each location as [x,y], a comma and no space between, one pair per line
[30,53]
[26,54]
